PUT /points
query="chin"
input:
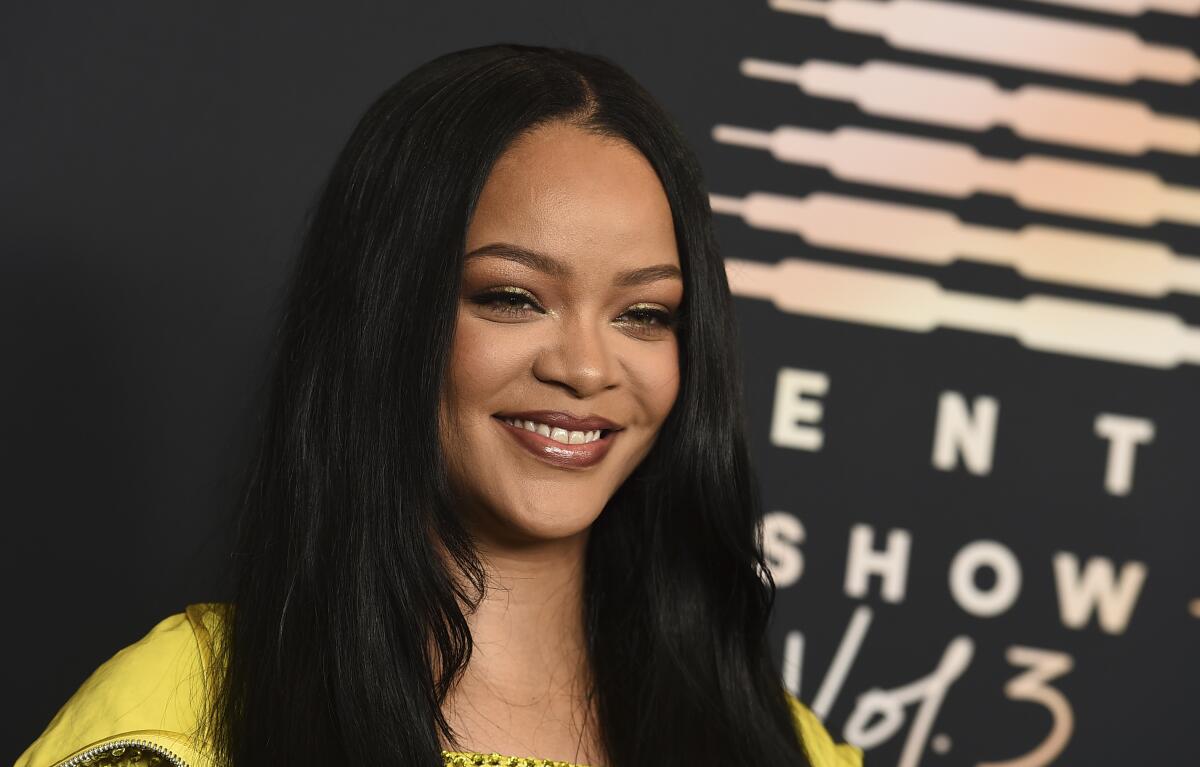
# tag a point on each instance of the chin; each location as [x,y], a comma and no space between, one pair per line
[544,523]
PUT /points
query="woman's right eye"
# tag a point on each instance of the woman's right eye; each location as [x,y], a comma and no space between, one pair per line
[510,302]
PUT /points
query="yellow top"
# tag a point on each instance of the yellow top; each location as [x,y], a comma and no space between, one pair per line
[145,701]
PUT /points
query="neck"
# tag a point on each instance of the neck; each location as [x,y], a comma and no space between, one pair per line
[524,691]
[538,585]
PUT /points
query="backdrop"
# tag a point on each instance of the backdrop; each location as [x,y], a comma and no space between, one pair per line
[964,240]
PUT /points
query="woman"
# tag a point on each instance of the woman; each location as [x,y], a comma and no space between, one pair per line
[501,502]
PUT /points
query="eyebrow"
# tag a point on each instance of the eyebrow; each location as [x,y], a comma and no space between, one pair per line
[556,268]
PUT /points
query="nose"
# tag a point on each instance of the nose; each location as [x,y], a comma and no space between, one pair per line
[579,357]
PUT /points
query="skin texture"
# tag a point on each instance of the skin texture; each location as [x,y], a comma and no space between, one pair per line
[566,342]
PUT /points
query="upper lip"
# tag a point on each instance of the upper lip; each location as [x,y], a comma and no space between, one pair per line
[563,420]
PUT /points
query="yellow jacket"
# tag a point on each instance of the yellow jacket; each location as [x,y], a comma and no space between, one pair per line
[146,700]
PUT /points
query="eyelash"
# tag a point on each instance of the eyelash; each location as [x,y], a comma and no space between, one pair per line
[492,298]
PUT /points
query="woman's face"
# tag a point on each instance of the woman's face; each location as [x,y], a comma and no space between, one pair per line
[565,323]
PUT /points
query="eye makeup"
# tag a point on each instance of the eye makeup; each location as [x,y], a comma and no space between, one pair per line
[511,301]
[516,302]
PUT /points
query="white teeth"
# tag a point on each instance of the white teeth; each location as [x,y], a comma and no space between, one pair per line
[556,434]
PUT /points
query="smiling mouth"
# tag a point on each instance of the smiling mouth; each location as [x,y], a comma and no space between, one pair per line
[563,436]
[557,446]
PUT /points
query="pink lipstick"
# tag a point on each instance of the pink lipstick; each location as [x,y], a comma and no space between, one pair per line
[561,439]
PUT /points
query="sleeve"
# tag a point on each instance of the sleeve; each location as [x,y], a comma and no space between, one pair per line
[148,696]
[822,750]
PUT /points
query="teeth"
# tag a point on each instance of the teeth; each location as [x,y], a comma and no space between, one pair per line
[555,433]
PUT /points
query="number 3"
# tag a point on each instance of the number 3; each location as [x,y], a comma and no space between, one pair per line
[1044,666]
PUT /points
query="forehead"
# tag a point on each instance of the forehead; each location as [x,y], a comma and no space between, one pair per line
[586,198]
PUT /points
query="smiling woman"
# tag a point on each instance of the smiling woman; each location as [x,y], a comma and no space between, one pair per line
[570,289]
[501,502]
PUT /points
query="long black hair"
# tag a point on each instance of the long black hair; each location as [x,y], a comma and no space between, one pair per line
[347,629]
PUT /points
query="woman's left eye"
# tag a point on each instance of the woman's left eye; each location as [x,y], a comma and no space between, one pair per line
[650,317]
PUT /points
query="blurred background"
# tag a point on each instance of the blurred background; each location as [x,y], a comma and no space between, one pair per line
[964,239]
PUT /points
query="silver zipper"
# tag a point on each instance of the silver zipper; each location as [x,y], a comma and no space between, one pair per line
[123,743]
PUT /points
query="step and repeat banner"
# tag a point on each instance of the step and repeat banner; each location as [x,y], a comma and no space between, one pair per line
[964,244]
[964,241]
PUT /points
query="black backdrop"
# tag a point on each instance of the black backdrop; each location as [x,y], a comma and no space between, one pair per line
[981,513]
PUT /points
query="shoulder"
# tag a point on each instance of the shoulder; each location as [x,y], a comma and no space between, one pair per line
[821,748]
[150,695]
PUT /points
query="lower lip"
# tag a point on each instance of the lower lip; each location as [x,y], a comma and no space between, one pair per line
[556,453]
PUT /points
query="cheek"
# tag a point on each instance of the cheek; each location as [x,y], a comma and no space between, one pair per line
[657,374]
[483,361]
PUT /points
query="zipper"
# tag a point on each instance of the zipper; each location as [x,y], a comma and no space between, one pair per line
[120,745]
